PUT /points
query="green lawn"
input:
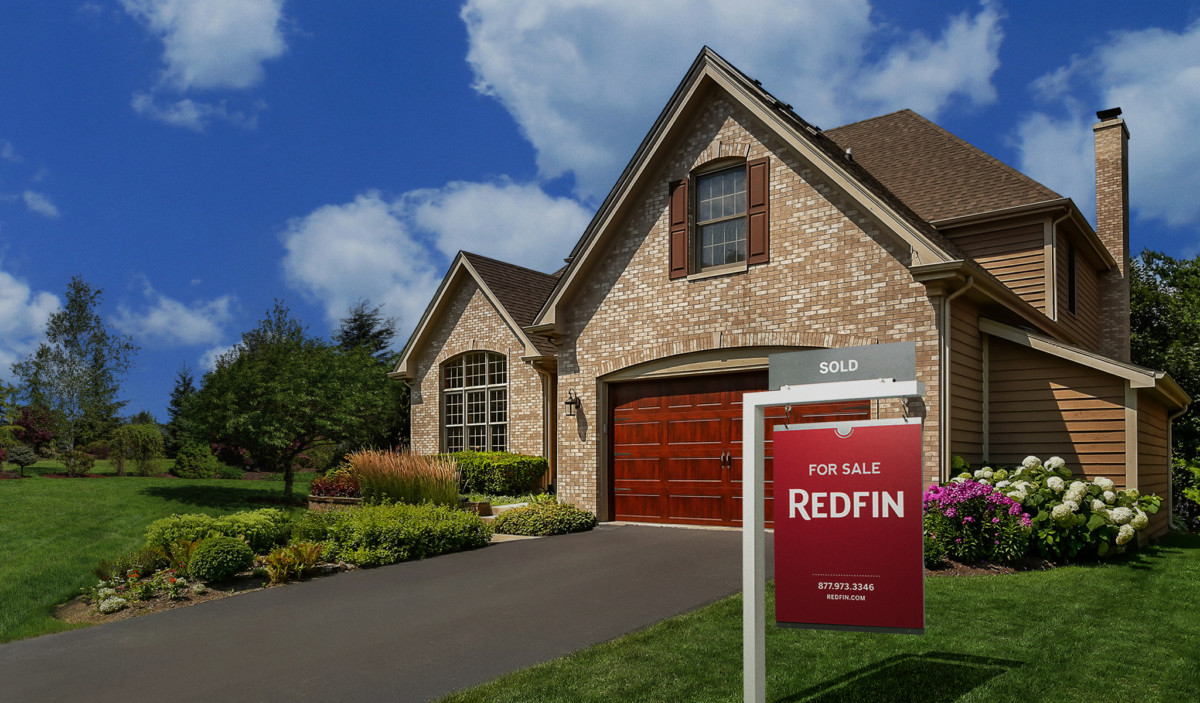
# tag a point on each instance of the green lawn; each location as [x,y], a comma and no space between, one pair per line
[1125,631]
[54,531]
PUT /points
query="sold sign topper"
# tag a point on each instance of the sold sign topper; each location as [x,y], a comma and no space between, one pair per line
[848,533]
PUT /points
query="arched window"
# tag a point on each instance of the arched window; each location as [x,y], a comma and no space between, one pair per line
[475,402]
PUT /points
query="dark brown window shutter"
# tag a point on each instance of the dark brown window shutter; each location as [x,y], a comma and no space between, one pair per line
[758,237]
[678,196]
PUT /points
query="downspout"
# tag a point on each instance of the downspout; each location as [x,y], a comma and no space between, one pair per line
[1052,267]
[944,381]
[549,421]
[1171,460]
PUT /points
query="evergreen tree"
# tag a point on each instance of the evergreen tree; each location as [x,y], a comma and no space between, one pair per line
[366,327]
[177,434]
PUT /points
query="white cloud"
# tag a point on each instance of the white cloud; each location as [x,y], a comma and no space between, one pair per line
[190,113]
[1154,76]
[575,75]
[23,315]
[169,322]
[39,203]
[208,360]
[213,43]
[394,252]
[8,152]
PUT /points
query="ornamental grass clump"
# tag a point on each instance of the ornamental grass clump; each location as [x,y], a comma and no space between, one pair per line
[972,522]
[404,477]
[1071,518]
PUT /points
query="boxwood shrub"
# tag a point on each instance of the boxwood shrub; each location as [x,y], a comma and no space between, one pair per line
[262,529]
[220,557]
[498,472]
[195,461]
[375,535]
[543,519]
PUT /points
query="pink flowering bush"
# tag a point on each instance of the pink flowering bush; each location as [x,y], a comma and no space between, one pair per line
[975,522]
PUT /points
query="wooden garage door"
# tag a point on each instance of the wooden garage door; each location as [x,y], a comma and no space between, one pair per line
[670,439]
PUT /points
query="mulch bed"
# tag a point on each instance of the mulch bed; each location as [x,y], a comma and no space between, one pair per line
[5,475]
[955,568]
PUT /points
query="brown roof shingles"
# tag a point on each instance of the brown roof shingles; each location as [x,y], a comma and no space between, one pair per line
[520,290]
[934,172]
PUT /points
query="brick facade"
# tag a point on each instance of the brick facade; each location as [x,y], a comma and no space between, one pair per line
[471,323]
[834,279]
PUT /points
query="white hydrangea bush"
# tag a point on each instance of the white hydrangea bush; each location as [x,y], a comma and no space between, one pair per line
[1072,517]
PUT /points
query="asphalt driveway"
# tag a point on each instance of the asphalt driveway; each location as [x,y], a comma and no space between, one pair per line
[408,632]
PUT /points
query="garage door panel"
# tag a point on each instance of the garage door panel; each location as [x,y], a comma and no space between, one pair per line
[643,469]
[706,469]
[701,508]
[629,432]
[638,506]
[694,431]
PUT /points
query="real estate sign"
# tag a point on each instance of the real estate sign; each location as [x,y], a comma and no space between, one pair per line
[848,534]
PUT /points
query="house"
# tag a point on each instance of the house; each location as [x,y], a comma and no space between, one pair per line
[739,230]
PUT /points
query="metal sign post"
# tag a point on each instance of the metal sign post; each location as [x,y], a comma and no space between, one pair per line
[754,667]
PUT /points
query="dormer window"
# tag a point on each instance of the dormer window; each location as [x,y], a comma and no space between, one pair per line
[718,219]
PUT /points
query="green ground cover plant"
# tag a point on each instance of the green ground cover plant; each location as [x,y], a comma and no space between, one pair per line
[1127,629]
[502,499]
[54,532]
[543,519]
[374,535]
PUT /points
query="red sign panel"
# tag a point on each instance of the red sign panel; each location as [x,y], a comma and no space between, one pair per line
[848,526]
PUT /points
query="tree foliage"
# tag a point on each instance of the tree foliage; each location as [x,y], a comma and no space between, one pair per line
[34,426]
[76,372]
[177,432]
[365,328]
[140,443]
[280,392]
[1165,331]
[22,455]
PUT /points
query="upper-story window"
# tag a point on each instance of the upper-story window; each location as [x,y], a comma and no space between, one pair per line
[475,402]
[718,218]
[721,217]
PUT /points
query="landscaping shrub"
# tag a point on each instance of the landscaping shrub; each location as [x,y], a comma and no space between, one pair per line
[973,521]
[142,444]
[78,463]
[338,486]
[543,519]
[261,529]
[218,558]
[934,552]
[22,455]
[498,472]
[1071,518]
[292,561]
[404,477]
[1185,487]
[144,561]
[98,449]
[375,535]
[195,461]
[231,473]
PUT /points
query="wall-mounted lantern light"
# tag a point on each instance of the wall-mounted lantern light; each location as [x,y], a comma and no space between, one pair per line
[572,402]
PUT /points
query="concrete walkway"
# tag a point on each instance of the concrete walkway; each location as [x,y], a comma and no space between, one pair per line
[408,632]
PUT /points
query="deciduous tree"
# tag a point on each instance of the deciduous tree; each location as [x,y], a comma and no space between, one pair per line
[76,372]
[281,392]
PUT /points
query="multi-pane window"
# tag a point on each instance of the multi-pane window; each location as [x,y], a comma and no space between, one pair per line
[721,217]
[475,402]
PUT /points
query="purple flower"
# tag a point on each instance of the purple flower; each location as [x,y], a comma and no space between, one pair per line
[968,519]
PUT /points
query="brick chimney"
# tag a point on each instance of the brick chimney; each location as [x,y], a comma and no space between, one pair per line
[1112,226]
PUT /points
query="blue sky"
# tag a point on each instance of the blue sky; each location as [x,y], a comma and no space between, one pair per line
[197,159]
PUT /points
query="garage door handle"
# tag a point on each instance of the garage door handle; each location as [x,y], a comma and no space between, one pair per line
[622,489]
[622,453]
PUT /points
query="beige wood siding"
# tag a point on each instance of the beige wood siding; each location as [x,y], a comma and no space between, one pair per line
[1015,254]
[966,382]
[1153,457]
[1084,323]
[1045,406]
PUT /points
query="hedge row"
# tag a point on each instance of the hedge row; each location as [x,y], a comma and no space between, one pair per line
[499,473]
[375,535]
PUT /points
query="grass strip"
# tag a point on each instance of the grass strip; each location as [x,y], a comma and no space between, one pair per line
[1127,630]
